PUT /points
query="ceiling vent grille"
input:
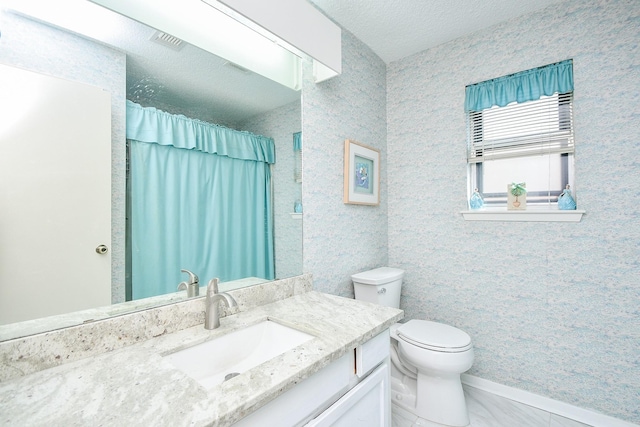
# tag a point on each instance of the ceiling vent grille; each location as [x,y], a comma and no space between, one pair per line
[167,40]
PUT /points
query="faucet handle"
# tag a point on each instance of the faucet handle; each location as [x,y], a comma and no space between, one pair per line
[212,287]
[192,277]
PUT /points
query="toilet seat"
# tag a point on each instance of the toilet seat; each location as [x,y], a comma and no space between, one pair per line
[434,336]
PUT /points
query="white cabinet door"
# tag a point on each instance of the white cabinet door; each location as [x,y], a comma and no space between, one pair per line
[307,398]
[366,405]
[55,195]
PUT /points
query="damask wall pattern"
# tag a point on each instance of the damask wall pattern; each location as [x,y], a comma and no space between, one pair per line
[553,308]
[280,124]
[342,239]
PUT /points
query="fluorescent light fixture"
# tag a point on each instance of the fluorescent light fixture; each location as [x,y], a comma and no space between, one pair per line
[193,21]
[203,26]
[296,22]
[321,72]
[95,22]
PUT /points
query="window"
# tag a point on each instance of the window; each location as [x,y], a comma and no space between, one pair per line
[523,136]
[528,142]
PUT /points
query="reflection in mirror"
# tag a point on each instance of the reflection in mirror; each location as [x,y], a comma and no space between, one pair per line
[129,64]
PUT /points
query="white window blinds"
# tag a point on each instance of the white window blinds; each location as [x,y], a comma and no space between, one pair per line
[543,126]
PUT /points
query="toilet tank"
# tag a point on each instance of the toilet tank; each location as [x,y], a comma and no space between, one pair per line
[380,286]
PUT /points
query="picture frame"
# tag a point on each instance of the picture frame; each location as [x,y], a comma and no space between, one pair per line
[361,174]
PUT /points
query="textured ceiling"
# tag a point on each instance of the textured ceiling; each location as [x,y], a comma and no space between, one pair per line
[201,85]
[394,29]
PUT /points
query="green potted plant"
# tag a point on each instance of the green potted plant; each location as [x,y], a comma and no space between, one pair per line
[515,191]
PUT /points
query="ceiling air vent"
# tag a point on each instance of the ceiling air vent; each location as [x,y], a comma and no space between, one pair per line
[167,40]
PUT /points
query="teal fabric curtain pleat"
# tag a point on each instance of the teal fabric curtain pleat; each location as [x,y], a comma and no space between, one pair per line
[194,210]
[520,87]
[147,124]
[297,141]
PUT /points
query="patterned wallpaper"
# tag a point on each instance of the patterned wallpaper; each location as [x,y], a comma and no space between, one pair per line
[37,47]
[565,323]
[341,239]
[553,308]
[280,124]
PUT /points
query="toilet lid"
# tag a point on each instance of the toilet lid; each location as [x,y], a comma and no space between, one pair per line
[434,336]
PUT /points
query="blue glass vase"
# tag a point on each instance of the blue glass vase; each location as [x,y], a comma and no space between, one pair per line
[565,200]
[476,202]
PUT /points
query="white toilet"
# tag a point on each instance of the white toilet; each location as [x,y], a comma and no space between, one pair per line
[427,357]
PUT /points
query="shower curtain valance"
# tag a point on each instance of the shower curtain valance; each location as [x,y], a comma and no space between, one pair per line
[148,124]
[521,87]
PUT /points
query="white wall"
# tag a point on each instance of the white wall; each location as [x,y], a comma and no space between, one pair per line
[552,308]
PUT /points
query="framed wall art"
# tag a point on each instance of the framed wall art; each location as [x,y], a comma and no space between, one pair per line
[361,174]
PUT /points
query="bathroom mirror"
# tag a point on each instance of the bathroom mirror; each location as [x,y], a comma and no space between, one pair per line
[184,81]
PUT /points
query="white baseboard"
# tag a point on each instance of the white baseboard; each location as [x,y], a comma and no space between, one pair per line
[557,407]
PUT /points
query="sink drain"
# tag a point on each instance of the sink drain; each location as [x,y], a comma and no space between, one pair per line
[231,375]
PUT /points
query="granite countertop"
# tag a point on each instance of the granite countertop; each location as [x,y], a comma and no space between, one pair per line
[35,326]
[135,385]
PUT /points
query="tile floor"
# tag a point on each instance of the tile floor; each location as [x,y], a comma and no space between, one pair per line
[488,410]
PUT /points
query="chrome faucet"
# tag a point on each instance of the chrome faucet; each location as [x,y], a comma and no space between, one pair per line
[192,287]
[212,308]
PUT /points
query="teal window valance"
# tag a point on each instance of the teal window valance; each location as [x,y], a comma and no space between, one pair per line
[520,87]
[148,124]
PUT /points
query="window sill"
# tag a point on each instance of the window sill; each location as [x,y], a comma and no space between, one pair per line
[532,215]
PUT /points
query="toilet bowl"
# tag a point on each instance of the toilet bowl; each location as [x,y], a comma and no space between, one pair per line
[433,356]
[427,357]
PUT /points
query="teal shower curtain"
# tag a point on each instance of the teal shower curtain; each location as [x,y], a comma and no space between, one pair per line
[200,200]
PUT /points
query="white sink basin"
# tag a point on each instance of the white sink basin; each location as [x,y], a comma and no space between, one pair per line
[211,362]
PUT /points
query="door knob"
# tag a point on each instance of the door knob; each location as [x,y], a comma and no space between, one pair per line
[102,249]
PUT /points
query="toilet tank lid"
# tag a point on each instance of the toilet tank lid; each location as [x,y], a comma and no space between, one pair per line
[378,276]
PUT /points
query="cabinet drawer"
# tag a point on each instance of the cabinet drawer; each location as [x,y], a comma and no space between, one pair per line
[372,353]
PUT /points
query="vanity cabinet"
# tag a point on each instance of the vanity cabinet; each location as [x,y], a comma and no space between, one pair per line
[365,405]
[352,391]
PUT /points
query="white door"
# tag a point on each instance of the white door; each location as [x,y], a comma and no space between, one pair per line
[55,195]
